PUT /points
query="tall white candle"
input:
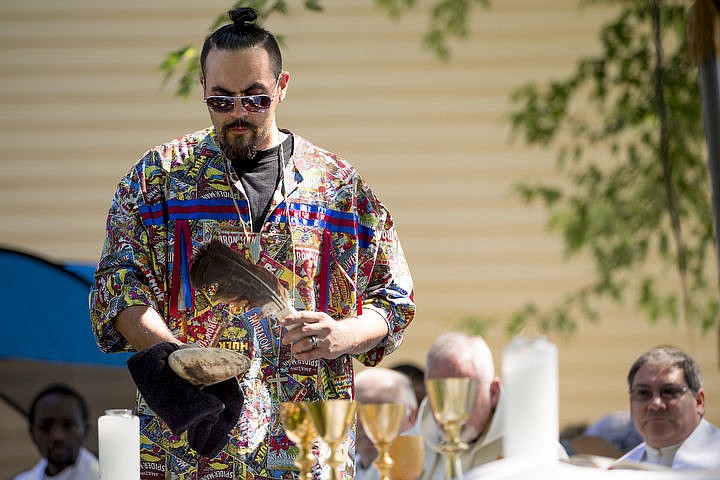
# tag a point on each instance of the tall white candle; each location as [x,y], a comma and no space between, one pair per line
[119,445]
[530,391]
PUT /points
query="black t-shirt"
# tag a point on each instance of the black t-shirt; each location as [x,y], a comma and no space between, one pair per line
[260,176]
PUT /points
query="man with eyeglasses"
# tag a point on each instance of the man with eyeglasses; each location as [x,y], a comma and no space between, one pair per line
[303,214]
[667,404]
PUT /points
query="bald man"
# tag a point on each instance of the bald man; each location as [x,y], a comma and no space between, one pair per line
[457,354]
[380,385]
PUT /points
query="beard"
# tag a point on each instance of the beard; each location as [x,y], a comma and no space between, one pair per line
[239,148]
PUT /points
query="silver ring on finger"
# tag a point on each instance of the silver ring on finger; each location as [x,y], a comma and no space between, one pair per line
[313,340]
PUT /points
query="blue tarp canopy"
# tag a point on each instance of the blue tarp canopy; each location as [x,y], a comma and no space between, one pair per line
[46,314]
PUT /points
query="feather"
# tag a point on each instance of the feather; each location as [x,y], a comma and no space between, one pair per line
[233,279]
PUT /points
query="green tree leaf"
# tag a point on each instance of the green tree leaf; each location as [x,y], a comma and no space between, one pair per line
[636,188]
[449,19]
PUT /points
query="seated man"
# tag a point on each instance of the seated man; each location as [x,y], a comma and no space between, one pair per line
[459,355]
[58,421]
[380,385]
[667,404]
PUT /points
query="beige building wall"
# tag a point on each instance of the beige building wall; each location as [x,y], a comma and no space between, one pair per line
[81,99]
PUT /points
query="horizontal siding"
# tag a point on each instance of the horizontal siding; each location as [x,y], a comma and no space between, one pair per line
[81,98]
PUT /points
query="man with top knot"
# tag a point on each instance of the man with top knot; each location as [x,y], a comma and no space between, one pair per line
[298,211]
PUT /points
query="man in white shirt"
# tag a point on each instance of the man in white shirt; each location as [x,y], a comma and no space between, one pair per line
[58,421]
[457,354]
[667,404]
[380,385]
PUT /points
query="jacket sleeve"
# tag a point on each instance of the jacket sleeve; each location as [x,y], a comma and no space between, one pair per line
[384,280]
[127,273]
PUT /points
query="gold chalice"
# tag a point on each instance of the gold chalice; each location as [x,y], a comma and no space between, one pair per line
[382,423]
[332,420]
[408,454]
[300,430]
[451,400]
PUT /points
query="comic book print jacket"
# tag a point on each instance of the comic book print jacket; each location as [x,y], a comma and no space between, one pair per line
[326,237]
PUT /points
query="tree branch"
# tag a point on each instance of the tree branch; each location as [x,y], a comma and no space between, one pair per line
[671,195]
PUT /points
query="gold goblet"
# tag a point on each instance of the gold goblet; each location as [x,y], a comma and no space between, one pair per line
[408,454]
[382,423]
[451,400]
[332,420]
[300,430]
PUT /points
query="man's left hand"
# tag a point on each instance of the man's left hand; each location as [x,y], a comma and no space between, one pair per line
[314,335]
[317,335]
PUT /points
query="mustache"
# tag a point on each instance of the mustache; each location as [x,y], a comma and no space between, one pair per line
[240,124]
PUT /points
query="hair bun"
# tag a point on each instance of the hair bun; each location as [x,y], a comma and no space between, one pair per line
[242,16]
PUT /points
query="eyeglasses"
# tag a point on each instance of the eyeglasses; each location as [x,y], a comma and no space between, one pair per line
[667,393]
[249,103]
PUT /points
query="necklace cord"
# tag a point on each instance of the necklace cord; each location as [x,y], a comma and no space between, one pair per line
[283,190]
[246,234]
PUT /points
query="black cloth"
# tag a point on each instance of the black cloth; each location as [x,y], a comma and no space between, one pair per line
[208,414]
[209,436]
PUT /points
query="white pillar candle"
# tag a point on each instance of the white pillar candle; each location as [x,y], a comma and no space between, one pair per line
[530,392]
[119,445]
